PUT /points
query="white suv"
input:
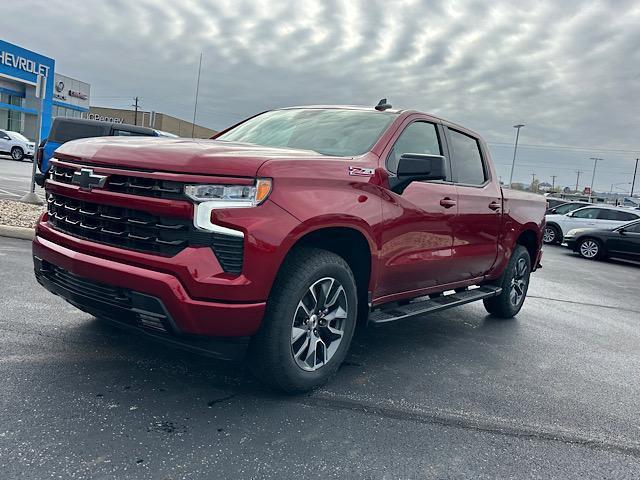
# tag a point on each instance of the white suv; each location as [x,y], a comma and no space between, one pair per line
[588,217]
[16,145]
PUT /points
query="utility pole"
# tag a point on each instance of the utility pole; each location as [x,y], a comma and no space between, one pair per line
[578,179]
[515,149]
[593,177]
[195,104]
[553,182]
[135,115]
[634,178]
[533,181]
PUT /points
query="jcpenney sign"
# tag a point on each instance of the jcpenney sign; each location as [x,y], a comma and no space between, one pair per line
[102,118]
[11,60]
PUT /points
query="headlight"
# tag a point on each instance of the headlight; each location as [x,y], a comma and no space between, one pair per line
[574,232]
[231,196]
[209,198]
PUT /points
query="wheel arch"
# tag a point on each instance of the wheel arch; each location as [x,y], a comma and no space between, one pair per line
[352,243]
[529,239]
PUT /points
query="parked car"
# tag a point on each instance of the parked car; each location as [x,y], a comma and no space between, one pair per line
[16,145]
[285,230]
[586,217]
[551,232]
[65,129]
[554,202]
[623,242]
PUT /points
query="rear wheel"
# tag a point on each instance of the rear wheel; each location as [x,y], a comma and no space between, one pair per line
[514,283]
[310,319]
[551,234]
[17,153]
[590,248]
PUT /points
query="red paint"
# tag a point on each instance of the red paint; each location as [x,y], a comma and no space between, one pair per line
[433,237]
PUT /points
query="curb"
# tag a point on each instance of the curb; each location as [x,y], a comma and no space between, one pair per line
[17,232]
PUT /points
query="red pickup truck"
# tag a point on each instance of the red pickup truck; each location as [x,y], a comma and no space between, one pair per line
[286,230]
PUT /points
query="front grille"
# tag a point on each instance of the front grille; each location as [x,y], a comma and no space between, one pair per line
[129,184]
[139,230]
[117,226]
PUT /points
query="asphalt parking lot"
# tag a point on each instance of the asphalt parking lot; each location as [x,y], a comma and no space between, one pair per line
[15,178]
[551,394]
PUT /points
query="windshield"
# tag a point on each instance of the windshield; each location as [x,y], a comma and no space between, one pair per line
[19,136]
[343,133]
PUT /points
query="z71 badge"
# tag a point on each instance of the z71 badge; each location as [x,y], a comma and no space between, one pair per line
[361,172]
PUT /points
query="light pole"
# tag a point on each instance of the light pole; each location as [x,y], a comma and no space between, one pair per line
[633,184]
[593,177]
[515,149]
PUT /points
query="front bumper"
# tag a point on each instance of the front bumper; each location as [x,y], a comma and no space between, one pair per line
[570,242]
[98,285]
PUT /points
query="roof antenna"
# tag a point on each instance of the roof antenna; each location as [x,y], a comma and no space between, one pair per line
[383,105]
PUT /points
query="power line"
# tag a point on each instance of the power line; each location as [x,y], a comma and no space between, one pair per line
[565,147]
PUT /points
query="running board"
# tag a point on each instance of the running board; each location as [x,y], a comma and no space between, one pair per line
[435,304]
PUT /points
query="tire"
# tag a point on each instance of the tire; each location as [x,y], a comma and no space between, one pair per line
[552,235]
[514,283]
[17,153]
[280,354]
[589,248]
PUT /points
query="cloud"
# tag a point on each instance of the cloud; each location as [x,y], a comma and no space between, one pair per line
[569,70]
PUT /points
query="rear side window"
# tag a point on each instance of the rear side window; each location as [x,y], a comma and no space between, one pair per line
[418,137]
[635,228]
[467,159]
[64,132]
[616,215]
[587,213]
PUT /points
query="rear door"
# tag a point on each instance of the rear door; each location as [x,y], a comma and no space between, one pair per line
[479,222]
[418,233]
[608,218]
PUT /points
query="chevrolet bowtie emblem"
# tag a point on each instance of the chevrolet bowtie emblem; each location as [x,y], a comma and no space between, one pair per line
[87,180]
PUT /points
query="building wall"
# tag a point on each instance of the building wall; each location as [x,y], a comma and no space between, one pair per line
[19,69]
[159,121]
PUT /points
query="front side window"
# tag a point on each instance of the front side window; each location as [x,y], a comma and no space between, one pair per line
[568,207]
[418,137]
[635,228]
[338,132]
[589,213]
[467,159]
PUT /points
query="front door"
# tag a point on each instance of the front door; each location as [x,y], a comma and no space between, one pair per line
[418,233]
[479,222]
[625,243]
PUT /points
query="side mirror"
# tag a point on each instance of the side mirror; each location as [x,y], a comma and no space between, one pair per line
[417,166]
[552,210]
[621,231]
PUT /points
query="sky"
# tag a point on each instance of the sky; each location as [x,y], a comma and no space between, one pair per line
[569,71]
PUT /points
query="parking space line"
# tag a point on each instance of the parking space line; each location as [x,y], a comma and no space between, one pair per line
[574,302]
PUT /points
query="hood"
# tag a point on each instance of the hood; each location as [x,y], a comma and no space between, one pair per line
[204,157]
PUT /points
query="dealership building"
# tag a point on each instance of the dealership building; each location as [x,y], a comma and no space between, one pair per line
[64,97]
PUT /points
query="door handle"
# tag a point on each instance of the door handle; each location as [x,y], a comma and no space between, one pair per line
[494,206]
[447,202]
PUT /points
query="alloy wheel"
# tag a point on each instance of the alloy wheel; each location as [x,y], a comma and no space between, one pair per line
[16,154]
[519,282]
[549,235]
[589,249]
[318,324]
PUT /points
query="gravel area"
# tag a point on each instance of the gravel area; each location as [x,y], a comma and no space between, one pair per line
[18,214]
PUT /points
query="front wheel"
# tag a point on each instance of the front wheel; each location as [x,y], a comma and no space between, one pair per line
[590,249]
[514,283]
[309,322]
[17,153]
[551,235]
